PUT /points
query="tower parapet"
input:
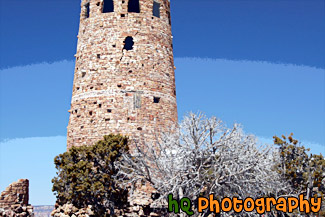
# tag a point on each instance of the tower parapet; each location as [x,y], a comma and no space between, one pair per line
[124,79]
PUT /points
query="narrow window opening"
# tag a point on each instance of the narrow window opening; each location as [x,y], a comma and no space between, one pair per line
[109,110]
[108,6]
[156,99]
[156,9]
[134,6]
[139,128]
[169,18]
[83,74]
[107,120]
[100,105]
[137,101]
[119,85]
[87,10]
[90,113]
[98,56]
[128,43]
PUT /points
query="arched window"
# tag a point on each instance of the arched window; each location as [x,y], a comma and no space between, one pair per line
[156,9]
[108,6]
[134,6]
[128,43]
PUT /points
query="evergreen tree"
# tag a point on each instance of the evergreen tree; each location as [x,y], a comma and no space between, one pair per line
[85,176]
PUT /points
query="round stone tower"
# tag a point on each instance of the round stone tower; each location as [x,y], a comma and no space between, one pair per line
[124,79]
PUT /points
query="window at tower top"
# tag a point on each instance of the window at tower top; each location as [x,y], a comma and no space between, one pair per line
[134,6]
[108,6]
[156,9]
[87,10]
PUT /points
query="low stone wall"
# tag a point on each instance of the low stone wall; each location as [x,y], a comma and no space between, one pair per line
[14,200]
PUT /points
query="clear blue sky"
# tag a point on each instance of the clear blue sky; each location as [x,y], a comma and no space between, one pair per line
[259,63]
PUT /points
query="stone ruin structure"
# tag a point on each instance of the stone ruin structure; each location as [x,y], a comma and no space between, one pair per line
[124,80]
[14,200]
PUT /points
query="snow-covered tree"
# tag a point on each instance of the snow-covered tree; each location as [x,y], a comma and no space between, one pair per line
[204,157]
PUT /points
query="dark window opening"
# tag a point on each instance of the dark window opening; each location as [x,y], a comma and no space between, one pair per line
[108,119]
[100,105]
[108,6]
[156,9]
[81,127]
[128,43]
[83,74]
[87,11]
[169,18]
[134,6]
[119,85]
[156,99]
[98,3]
[139,128]
[109,110]
[90,113]
[98,56]
[122,15]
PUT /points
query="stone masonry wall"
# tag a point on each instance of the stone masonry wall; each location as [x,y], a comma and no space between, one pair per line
[131,92]
[16,192]
[14,200]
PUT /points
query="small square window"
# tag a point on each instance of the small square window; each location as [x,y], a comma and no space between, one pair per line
[156,99]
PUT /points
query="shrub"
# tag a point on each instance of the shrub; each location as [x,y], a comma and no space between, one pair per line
[85,176]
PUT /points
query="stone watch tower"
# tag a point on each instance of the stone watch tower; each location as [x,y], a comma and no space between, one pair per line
[124,79]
